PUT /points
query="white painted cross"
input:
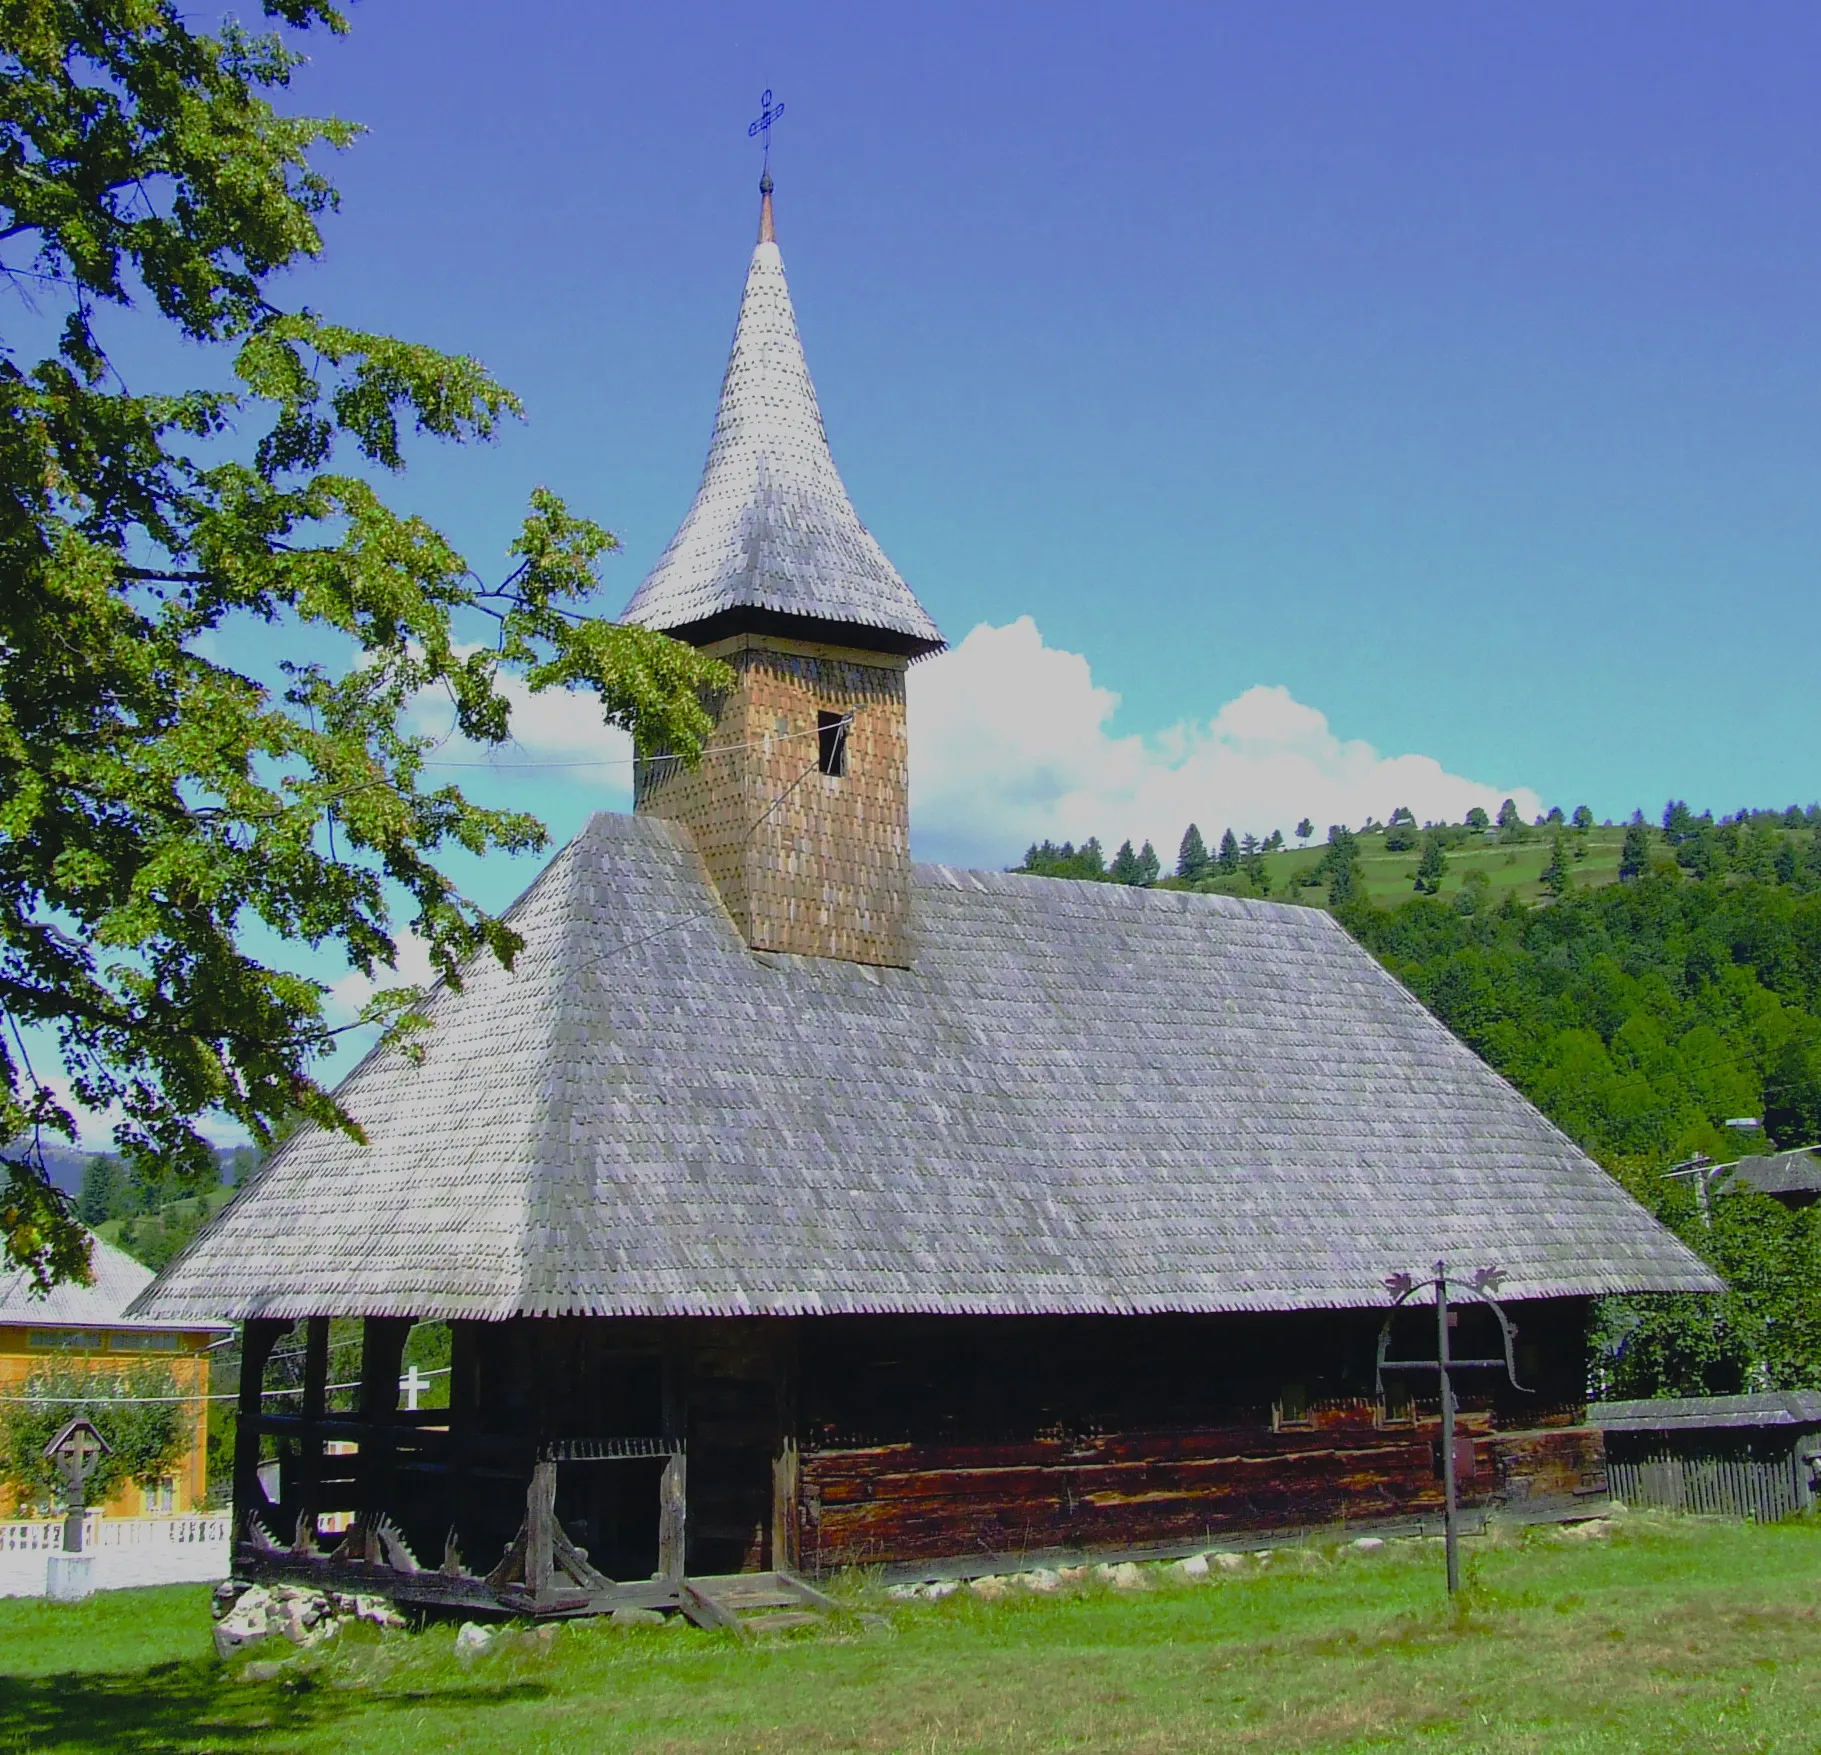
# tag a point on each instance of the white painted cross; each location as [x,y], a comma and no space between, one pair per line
[411,1386]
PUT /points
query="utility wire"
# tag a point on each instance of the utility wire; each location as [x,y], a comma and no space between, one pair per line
[719,749]
[79,1401]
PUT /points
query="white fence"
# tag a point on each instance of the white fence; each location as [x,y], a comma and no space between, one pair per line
[128,1551]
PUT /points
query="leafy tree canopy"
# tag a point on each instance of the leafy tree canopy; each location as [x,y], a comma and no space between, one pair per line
[1046,859]
[155,800]
[137,1411]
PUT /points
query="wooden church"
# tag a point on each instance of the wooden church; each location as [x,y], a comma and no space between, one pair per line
[796,1206]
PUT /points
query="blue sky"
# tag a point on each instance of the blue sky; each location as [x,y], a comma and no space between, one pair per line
[1454,368]
[1296,408]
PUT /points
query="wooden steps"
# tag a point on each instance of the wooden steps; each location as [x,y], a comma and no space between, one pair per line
[727,1602]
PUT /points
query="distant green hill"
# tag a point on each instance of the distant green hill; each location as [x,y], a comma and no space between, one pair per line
[1492,862]
[1511,868]
[155,1237]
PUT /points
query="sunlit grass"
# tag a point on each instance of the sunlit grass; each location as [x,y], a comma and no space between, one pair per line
[1670,1635]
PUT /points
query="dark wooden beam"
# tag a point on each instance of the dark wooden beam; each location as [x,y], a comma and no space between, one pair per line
[257,1339]
[784,1467]
[382,1347]
[540,1529]
[673,1486]
[315,1405]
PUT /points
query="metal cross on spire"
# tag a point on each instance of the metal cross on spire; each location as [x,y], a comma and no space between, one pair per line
[761,127]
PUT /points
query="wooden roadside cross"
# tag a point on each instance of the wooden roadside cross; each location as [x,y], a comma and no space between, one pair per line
[77,1451]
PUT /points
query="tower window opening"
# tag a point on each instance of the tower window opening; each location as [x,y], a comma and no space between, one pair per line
[831,742]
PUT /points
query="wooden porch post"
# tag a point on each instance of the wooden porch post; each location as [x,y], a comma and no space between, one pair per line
[257,1339]
[673,1488]
[382,1346]
[315,1406]
[540,1529]
[784,1455]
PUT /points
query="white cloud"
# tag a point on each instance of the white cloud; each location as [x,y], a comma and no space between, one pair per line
[1009,744]
[557,736]
[347,995]
[95,1128]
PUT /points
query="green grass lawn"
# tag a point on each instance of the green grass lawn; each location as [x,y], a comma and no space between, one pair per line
[1669,1636]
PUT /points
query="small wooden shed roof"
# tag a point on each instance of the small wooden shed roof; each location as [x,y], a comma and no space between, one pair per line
[1788,1407]
[1779,1173]
[1081,1098]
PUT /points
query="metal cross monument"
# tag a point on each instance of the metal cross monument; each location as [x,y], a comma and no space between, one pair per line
[1482,1286]
[768,113]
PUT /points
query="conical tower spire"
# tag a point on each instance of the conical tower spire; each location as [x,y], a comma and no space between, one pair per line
[772,543]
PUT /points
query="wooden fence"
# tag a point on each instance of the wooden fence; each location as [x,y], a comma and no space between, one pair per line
[1714,1473]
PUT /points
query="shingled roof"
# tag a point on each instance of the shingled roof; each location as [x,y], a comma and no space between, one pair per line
[116,1279]
[772,532]
[1082,1097]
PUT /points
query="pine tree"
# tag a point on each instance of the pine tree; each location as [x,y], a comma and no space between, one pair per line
[1434,863]
[1192,857]
[103,1189]
[1634,855]
[1340,866]
[1304,829]
[1125,867]
[1558,877]
[1150,867]
[1229,853]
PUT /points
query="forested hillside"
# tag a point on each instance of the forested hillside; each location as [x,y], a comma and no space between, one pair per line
[1641,1009]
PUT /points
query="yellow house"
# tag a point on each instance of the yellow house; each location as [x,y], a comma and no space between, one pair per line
[81,1327]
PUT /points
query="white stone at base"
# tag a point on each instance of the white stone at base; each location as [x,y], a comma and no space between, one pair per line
[68,1578]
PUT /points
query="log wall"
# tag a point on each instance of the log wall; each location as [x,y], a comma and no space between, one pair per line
[928,1441]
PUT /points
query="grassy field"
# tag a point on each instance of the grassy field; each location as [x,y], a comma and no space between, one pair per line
[1514,867]
[1666,1636]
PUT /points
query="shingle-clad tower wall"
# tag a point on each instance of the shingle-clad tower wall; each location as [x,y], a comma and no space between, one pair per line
[801,808]
[806,861]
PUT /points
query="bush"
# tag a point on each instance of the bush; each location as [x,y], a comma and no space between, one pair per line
[146,1435]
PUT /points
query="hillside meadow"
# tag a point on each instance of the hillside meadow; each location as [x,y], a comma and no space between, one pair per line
[1664,1635]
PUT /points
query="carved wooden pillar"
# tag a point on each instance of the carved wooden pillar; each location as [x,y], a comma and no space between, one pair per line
[464,1424]
[784,1453]
[382,1347]
[257,1339]
[315,1407]
[540,1529]
[673,1487]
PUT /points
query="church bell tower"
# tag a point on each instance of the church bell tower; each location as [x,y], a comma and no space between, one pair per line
[801,807]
